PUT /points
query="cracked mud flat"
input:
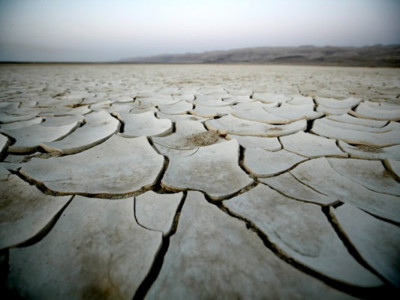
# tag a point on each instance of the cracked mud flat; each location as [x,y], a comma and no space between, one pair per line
[199,181]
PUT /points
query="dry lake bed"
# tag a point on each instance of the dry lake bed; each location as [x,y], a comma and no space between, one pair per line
[199,182]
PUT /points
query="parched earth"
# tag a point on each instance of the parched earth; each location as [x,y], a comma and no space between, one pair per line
[199,182]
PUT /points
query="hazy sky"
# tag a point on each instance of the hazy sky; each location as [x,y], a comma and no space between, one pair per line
[100,30]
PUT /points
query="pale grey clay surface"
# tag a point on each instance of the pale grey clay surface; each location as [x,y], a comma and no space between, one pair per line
[199,182]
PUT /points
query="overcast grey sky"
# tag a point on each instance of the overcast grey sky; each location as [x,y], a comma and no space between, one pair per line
[100,30]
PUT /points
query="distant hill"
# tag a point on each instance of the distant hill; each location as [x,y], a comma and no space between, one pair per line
[369,56]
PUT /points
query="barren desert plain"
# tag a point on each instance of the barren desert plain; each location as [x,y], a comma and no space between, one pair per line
[123,181]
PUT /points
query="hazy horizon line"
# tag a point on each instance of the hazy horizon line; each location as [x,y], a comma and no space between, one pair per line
[121,59]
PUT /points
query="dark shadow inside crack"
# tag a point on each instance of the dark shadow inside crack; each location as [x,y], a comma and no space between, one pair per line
[155,269]
[121,122]
[242,151]
[157,186]
[6,292]
[45,230]
[45,190]
[347,243]
[386,291]
[309,125]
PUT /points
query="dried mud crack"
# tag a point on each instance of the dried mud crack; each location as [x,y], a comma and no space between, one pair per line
[159,258]
[199,181]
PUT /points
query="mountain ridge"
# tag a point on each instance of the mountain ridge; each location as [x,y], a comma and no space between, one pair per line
[369,56]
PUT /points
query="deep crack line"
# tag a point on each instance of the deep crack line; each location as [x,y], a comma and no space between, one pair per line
[300,200]
[157,186]
[155,269]
[365,293]
[121,126]
[327,211]
[45,190]
[46,229]
[241,163]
